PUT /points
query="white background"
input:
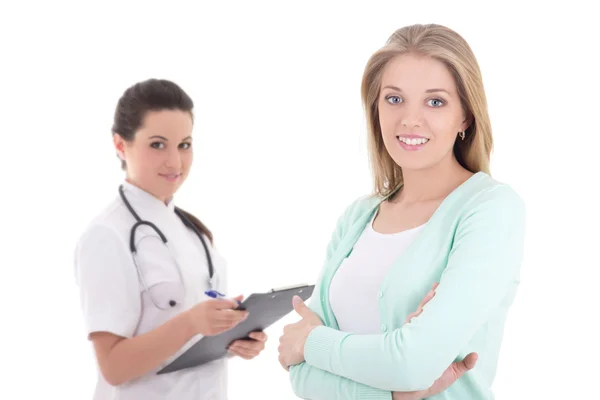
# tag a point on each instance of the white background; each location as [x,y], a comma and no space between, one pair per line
[280,152]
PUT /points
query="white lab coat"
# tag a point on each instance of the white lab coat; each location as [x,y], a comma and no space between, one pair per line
[114,299]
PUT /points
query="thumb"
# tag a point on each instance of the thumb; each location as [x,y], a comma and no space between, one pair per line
[237,300]
[468,362]
[299,306]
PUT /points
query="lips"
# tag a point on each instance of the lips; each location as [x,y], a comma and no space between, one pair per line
[412,142]
[171,177]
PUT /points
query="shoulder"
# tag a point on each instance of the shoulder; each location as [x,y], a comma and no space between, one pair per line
[486,204]
[108,226]
[360,206]
[491,195]
[357,209]
[102,250]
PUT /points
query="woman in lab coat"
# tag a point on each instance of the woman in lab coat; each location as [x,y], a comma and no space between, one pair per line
[147,270]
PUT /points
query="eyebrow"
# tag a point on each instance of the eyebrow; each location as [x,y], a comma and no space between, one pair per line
[165,139]
[427,91]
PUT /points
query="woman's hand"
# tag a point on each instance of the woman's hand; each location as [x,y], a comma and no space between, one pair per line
[212,317]
[450,375]
[248,349]
[291,343]
[425,300]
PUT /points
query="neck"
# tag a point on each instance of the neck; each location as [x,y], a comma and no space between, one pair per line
[432,183]
[162,199]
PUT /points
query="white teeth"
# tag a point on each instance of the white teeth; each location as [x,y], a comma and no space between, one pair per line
[413,141]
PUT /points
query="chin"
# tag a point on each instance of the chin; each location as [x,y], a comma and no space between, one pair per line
[414,163]
[165,190]
[169,190]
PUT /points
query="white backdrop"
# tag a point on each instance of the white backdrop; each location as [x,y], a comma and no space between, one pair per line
[280,152]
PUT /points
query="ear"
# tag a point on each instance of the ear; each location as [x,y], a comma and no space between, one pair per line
[467,121]
[119,145]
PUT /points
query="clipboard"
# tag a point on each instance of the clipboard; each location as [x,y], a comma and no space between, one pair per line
[264,309]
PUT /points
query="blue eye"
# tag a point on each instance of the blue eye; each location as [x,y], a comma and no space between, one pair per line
[437,102]
[394,99]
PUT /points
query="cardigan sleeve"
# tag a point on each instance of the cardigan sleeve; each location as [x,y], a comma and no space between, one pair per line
[482,269]
[312,383]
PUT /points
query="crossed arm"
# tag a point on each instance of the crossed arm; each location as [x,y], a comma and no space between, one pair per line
[482,269]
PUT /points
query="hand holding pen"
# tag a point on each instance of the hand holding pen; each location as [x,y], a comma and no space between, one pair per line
[217,295]
[215,316]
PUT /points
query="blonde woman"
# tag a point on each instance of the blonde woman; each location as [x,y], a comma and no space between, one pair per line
[418,278]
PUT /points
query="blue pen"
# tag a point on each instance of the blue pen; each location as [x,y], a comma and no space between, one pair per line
[218,295]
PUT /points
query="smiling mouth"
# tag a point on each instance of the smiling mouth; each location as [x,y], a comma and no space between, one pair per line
[170,177]
[412,143]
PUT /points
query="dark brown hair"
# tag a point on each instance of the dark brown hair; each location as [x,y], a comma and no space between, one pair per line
[146,96]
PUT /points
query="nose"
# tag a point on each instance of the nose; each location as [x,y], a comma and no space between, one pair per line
[412,116]
[173,158]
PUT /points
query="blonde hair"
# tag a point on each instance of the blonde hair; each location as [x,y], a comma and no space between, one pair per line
[447,46]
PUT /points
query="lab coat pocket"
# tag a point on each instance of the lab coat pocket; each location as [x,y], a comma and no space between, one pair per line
[166,295]
[160,275]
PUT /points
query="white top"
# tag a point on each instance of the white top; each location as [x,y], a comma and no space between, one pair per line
[114,299]
[355,286]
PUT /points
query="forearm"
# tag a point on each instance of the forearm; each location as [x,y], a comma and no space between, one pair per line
[412,357]
[131,358]
[393,362]
[481,273]
[312,383]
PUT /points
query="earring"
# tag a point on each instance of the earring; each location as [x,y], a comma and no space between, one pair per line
[462,135]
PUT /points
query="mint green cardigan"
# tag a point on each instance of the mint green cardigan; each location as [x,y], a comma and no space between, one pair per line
[472,246]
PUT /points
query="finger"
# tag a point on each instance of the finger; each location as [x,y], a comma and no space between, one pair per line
[260,336]
[223,304]
[428,297]
[250,345]
[460,367]
[469,361]
[282,363]
[247,344]
[415,314]
[300,307]
[411,316]
[230,316]
[244,352]
[435,285]
[235,352]
[239,298]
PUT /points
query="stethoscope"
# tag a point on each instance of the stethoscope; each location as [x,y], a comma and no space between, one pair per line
[132,248]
